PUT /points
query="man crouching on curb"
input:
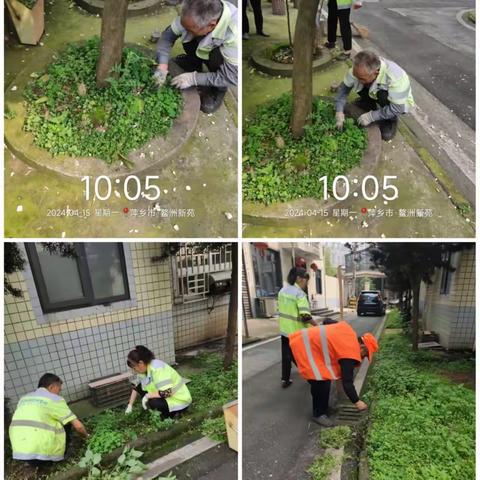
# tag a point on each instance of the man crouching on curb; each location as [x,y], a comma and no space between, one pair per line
[208,30]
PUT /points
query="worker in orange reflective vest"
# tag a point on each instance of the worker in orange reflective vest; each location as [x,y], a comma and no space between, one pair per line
[330,352]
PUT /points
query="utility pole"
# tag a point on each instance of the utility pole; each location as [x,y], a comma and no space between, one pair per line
[340,289]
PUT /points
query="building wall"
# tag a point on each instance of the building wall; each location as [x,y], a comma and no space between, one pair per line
[332,293]
[452,316]
[193,324]
[84,344]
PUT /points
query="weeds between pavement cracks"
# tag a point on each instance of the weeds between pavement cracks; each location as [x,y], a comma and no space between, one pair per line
[210,387]
[422,426]
[277,167]
[68,115]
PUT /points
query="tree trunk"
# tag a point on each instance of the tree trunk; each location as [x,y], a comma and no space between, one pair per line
[415,281]
[302,65]
[278,7]
[114,21]
[296,3]
[232,312]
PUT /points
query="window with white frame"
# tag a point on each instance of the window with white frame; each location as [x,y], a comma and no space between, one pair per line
[192,267]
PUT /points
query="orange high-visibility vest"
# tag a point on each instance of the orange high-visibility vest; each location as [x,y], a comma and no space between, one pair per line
[317,350]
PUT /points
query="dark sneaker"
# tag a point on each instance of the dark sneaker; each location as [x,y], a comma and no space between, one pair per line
[211,99]
[323,421]
[188,63]
[330,45]
[286,383]
[388,128]
[263,34]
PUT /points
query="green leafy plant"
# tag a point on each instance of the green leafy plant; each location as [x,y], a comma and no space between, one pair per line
[322,467]
[394,319]
[28,3]
[214,428]
[68,115]
[278,167]
[422,425]
[158,423]
[336,437]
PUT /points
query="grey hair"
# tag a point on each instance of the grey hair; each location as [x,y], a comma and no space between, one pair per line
[368,59]
[202,11]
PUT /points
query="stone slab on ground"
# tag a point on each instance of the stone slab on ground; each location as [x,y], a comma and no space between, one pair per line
[173,459]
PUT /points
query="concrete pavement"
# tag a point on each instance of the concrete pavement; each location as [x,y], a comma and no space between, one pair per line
[278,436]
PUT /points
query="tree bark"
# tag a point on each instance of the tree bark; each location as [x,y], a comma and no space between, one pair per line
[114,21]
[415,281]
[278,7]
[232,312]
[302,65]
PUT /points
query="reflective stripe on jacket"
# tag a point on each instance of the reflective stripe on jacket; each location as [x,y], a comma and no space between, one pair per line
[317,350]
[36,431]
[159,377]
[391,78]
[292,303]
[224,35]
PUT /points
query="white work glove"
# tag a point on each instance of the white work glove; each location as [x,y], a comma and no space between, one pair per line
[160,77]
[128,410]
[365,119]
[340,120]
[145,402]
[185,80]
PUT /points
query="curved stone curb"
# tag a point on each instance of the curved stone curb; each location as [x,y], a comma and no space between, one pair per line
[261,60]
[152,155]
[277,213]
[140,443]
[95,7]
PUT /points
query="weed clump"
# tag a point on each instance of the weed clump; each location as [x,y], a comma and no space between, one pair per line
[68,115]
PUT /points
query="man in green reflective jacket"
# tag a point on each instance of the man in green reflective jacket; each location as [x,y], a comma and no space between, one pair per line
[41,424]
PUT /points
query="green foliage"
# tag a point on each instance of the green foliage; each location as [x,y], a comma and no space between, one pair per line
[278,167]
[214,386]
[68,115]
[158,423]
[214,428]
[28,3]
[394,319]
[336,437]
[422,426]
[322,467]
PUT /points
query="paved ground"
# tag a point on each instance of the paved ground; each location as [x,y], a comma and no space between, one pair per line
[445,63]
[278,437]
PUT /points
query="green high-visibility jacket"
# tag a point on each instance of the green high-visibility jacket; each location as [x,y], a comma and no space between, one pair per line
[159,377]
[292,304]
[391,78]
[36,431]
[343,4]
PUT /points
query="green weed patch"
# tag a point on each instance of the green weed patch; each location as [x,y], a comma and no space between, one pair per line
[278,167]
[68,115]
[336,437]
[322,467]
[422,426]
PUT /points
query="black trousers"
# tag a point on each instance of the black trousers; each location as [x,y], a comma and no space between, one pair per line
[257,14]
[159,404]
[342,16]
[287,359]
[388,128]
[320,390]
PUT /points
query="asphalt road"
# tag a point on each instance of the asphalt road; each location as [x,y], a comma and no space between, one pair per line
[278,436]
[425,38]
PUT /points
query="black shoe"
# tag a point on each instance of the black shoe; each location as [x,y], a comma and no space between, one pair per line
[211,99]
[286,383]
[388,128]
[329,45]
[188,63]
[263,34]
[323,421]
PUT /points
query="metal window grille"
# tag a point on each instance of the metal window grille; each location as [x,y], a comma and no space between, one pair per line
[191,268]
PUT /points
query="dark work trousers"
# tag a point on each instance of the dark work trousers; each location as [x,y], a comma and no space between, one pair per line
[320,390]
[159,404]
[342,16]
[388,128]
[287,359]
[257,14]
[68,439]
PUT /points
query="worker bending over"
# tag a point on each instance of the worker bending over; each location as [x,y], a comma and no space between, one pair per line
[208,30]
[41,425]
[160,386]
[384,90]
[330,352]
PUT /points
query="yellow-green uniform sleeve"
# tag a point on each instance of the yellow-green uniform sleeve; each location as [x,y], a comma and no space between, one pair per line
[303,305]
[61,412]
